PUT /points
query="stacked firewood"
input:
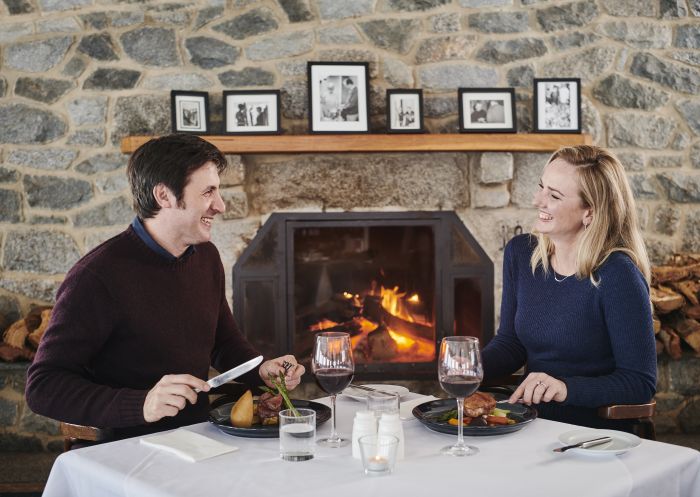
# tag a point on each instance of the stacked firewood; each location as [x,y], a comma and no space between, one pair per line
[21,339]
[675,295]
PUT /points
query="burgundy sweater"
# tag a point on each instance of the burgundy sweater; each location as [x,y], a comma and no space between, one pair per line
[125,316]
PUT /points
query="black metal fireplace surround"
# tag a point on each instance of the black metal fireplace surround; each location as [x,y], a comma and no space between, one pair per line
[398,282]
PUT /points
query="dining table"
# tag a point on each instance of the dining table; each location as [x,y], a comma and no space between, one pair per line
[520,463]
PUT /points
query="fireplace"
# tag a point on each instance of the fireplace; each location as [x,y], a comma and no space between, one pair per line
[397,282]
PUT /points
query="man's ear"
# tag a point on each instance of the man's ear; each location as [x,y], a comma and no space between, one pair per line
[164,197]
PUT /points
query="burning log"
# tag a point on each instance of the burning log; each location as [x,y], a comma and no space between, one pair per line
[21,339]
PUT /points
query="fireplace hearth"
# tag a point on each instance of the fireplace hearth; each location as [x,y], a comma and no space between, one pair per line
[398,282]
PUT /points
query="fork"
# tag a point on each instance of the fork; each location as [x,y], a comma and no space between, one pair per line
[287,366]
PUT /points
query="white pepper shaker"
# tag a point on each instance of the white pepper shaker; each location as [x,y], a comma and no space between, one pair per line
[390,424]
[364,424]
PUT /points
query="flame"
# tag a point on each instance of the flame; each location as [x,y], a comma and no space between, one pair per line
[324,324]
[414,299]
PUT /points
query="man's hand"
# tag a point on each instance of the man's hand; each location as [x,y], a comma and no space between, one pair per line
[170,395]
[539,387]
[274,366]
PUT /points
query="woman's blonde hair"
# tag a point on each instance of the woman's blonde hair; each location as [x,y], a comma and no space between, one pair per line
[603,187]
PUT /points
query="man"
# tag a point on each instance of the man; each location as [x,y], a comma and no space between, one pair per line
[139,319]
[350,108]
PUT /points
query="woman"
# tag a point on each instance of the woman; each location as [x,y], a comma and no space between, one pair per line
[576,310]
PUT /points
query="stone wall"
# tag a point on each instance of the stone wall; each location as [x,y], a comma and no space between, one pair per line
[78,75]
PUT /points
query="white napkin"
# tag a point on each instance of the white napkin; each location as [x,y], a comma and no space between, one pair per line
[187,444]
[407,407]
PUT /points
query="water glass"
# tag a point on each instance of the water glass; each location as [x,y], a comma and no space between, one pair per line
[297,434]
[378,454]
[380,403]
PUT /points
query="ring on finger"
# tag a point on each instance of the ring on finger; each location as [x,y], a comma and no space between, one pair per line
[541,383]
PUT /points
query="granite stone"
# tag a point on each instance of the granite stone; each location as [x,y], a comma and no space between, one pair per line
[151,46]
[527,170]
[209,53]
[179,80]
[37,56]
[691,57]
[490,196]
[447,22]
[292,67]
[414,5]
[505,51]
[10,311]
[499,22]
[39,251]
[236,202]
[333,9]
[621,92]
[672,75]
[207,15]
[114,212]
[74,67]
[45,90]
[33,423]
[3,87]
[294,99]
[672,9]
[10,206]
[248,76]
[688,36]
[690,110]
[644,187]
[397,74]
[58,193]
[93,137]
[112,184]
[48,220]
[25,124]
[8,175]
[644,34]
[395,35]
[53,159]
[61,5]
[681,187]
[630,129]
[111,79]
[630,8]
[15,31]
[494,167]
[64,25]
[141,115]
[667,220]
[43,290]
[14,442]
[567,16]
[351,55]
[281,46]
[16,7]
[574,39]
[691,232]
[449,77]
[87,110]
[520,76]
[695,155]
[588,64]
[297,10]
[445,48]
[9,412]
[484,3]
[665,162]
[99,46]
[103,163]
[338,35]
[252,23]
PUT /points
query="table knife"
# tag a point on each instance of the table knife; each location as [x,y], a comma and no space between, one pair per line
[234,373]
[370,389]
[584,445]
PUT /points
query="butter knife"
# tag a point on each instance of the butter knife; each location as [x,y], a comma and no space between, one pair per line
[584,445]
[233,373]
[370,389]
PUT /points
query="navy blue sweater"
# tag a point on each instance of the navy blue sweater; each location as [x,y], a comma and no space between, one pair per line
[599,341]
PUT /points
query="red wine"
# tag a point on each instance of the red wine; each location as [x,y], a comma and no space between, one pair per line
[460,386]
[333,380]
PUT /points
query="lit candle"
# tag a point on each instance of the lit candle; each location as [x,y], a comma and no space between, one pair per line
[378,463]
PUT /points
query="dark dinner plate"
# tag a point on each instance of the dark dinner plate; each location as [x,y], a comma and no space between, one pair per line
[221,418]
[428,413]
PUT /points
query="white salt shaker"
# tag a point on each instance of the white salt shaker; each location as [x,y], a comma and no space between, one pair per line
[364,424]
[390,424]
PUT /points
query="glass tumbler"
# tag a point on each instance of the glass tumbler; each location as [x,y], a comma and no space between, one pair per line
[297,434]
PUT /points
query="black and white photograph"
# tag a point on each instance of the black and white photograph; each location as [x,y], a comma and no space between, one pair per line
[338,97]
[190,111]
[404,111]
[252,112]
[557,105]
[487,110]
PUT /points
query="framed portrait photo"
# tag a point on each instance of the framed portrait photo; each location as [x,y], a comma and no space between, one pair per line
[487,110]
[404,111]
[190,112]
[252,112]
[557,105]
[338,97]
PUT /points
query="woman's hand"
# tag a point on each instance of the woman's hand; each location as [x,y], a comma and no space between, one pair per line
[539,387]
[273,367]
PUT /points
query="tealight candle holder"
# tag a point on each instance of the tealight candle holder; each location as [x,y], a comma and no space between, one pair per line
[378,454]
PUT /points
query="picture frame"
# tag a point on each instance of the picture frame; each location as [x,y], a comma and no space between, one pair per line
[404,111]
[557,105]
[190,112]
[252,112]
[487,110]
[338,97]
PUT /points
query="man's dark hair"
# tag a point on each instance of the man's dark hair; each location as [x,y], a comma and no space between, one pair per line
[349,81]
[169,160]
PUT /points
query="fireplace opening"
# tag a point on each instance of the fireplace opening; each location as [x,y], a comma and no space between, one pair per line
[397,282]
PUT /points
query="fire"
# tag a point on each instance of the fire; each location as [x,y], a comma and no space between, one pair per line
[323,324]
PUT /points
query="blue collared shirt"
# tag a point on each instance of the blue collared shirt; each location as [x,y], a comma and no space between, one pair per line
[140,230]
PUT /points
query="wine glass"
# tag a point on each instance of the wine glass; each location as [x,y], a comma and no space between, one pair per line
[334,368]
[460,372]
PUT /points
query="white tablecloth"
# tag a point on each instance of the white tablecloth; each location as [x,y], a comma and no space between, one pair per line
[520,463]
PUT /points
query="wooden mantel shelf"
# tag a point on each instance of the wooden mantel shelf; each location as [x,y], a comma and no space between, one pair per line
[304,144]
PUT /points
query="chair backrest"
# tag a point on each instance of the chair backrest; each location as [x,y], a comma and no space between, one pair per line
[73,434]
